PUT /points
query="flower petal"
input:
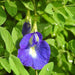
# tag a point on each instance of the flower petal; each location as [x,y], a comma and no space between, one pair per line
[26,28]
[44,49]
[34,52]
[25,40]
[25,58]
[43,52]
[39,35]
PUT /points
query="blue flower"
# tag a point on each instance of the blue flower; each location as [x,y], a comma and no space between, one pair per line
[26,28]
[34,52]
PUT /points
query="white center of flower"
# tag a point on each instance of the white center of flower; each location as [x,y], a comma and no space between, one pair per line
[32,52]
[36,37]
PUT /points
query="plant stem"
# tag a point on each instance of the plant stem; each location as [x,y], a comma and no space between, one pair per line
[35,18]
[34,6]
[36,72]
[34,27]
[28,17]
[28,14]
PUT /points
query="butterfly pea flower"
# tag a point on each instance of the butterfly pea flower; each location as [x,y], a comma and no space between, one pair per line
[34,52]
[26,28]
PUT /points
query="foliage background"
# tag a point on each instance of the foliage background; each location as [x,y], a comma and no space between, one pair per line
[55,20]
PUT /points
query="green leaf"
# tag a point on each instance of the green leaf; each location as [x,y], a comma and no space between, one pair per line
[70,28]
[62,12]
[32,71]
[46,32]
[60,42]
[7,39]
[69,57]
[11,8]
[44,28]
[5,64]
[9,24]
[29,5]
[57,71]
[65,1]
[50,41]
[59,18]
[54,51]
[72,10]
[68,11]
[66,66]
[56,18]
[20,5]
[48,9]
[16,35]
[20,24]
[56,29]
[73,69]
[72,46]
[57,4]
[46,17]
[18,17]
[70,21]
[17,66]
[2,16]
[1,67]
[47,69]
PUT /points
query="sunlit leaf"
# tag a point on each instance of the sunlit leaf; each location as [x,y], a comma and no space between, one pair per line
[16,35]
[48,9]
[17,66]
[7,39]
[29,5]
[2,16]
[11,8]
[5,64]
[47,69]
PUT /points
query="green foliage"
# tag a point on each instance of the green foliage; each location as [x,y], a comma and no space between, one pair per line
[2,16]
[48,9]
[29,5]
[72,46]
[45,29]
[5,64]
[31,71]
[7,39]
[55,20]
[47,69]
[16,36]
[17,66]
[11,8]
